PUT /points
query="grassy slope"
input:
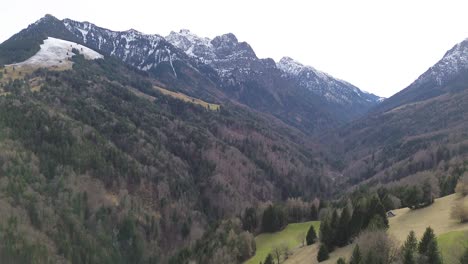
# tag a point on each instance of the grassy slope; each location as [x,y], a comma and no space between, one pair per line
[452,245]
[189,99]
[290,236]
[437,216]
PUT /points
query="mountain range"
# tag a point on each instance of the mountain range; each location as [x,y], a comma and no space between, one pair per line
[125,147]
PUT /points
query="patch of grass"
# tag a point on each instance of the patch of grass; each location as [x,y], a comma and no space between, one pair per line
[186,98]
[452,245]
[289,236]
[436,216]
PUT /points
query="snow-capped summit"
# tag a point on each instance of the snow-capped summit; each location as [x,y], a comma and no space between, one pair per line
[454,61]
[223,53]
[331,89]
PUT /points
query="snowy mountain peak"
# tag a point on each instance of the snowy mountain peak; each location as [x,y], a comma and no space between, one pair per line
[454,61]
[289,65]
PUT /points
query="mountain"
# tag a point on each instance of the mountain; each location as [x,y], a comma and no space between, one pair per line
[101,163]
[345,100]
[434,81]
[294,84]
[421,128]
[215,70]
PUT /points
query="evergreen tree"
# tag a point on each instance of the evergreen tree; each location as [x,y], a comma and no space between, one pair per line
[274,219]
[334,224]
[464,258]
[323,253]
[249,221]
[357,221]
[409,249]
[356,257]
[411,242]
[311,236]
[326,234]
[408,256]
[377,223]
[269,259]
[343,232]
[433,254]
[313,212]
[376,208]
[427,193]
[425,241]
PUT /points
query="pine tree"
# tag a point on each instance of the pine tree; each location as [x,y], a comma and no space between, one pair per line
[376,208]
[357,220]
[326,233]
[408,256]
[313,212]
[311,236]
[269,259]
[411,242]
[323,253]
[409,249]
[433,254]
[426,239]
[343,232]
[356,258]
[334,223]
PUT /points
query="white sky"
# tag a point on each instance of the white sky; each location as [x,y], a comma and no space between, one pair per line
[379,46]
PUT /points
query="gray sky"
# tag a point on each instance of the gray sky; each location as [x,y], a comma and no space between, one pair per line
[379,46]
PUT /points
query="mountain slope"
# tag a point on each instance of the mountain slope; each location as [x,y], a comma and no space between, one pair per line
[240,69]
[424,127]
[98,164]
[343,99]
[434,81]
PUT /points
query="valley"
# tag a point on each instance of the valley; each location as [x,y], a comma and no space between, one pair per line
[126,147]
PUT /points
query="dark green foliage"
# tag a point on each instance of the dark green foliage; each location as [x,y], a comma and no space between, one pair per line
[411,242]
[327,234]
[274,219]
[269,259]
[376,208]
[249,220]
[311,236]
[356,257]
[408,257]
[343,233]
[428,236]
[428,248]
[433,254]
[313,212]
[409,249]
[322,253]
[376,223]
[341,261]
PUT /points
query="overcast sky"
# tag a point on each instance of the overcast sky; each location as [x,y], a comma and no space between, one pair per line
[379,46]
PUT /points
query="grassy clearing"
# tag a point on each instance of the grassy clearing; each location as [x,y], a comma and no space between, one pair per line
[186,98]
[436,216]
[451,235]
[452,245]
[290,235]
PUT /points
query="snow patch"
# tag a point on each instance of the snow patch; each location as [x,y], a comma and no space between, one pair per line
[57,52]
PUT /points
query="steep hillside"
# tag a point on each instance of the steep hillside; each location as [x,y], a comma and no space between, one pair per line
[309,99]
[426,130]
[98,164]
[435,81]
